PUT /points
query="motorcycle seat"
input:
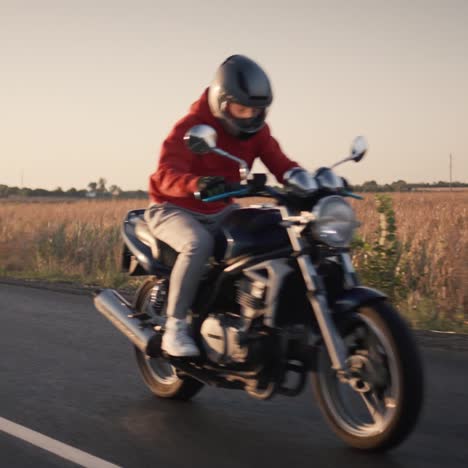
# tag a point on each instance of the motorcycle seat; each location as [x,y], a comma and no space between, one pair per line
[143,254]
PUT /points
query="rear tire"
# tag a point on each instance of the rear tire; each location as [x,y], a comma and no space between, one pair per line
[395,360]
[158,374]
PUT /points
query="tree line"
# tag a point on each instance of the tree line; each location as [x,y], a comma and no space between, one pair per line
[100,189]
[97,189]
[403,186]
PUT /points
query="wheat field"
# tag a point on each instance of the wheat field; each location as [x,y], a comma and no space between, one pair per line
[80,241]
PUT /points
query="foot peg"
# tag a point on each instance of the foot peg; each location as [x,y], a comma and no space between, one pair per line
[182,362]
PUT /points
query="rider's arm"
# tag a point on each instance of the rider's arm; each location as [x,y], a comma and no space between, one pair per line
[271,154]
[173,176]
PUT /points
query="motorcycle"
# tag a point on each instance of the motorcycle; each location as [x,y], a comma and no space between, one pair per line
[279,301]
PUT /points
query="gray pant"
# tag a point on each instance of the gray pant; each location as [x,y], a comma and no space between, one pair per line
[191,234]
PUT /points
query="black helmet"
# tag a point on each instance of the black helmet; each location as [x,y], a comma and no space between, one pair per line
[240,80]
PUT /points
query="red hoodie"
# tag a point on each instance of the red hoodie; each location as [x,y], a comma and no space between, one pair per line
[175,179]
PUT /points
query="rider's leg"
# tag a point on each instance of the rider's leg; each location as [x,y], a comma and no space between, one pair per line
[195,245]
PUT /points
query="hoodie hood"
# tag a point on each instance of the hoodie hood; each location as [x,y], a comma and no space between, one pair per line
[201,109]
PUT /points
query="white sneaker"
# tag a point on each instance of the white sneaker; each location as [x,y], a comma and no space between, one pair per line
[176,341]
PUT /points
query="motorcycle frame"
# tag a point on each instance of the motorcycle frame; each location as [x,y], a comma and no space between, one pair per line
[354,294]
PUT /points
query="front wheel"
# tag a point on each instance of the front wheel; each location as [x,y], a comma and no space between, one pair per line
[379,405]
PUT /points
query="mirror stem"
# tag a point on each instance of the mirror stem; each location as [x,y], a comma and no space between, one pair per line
[341,162]
[244,169]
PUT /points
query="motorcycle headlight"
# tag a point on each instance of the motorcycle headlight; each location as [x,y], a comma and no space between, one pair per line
[335,221]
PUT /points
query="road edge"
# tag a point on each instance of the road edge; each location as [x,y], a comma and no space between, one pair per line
[449,341]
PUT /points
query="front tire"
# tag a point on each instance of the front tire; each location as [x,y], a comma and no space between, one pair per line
[158,374]
[381,407]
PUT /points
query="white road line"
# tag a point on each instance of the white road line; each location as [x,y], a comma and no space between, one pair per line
[51,445]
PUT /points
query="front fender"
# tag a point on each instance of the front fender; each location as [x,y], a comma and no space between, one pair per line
[353,298]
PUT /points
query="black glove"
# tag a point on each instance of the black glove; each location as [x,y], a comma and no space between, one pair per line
[209,186]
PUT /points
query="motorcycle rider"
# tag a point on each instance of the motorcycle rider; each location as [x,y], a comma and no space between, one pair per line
[235,105]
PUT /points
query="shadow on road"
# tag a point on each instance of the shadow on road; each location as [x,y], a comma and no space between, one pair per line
[220,436]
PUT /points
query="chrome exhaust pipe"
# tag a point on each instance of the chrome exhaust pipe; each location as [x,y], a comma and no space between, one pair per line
[119,312]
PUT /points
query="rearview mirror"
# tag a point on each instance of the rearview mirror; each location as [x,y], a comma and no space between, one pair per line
[201,139]
[358,148]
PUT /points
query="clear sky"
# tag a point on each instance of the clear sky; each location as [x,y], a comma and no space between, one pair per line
[91,88]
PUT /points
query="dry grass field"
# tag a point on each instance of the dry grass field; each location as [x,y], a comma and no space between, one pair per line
[80,241]
[75,240]
[432,257]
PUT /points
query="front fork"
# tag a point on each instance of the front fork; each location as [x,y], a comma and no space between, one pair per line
[317,295]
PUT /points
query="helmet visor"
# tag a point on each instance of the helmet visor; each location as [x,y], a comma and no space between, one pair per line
[245,119]
[239,111]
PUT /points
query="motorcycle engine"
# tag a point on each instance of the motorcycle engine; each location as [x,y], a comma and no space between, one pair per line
[222,339]
[230,338]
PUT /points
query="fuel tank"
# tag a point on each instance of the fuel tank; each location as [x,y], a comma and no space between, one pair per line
[250,231]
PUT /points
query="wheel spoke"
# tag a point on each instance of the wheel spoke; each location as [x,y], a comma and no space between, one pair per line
[374,406]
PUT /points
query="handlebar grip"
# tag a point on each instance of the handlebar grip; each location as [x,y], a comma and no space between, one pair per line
[256,183]
[221,196]
[347,193]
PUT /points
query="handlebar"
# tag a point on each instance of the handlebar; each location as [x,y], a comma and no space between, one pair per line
[234,193]
[253,188]
[349,194]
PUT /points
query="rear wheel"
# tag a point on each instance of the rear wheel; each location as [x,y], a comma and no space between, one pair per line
[159,375]
[380,404]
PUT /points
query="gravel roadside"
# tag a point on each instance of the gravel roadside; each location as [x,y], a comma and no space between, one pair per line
[427,338]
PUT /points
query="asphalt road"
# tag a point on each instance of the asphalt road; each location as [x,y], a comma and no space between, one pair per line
[68,374]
